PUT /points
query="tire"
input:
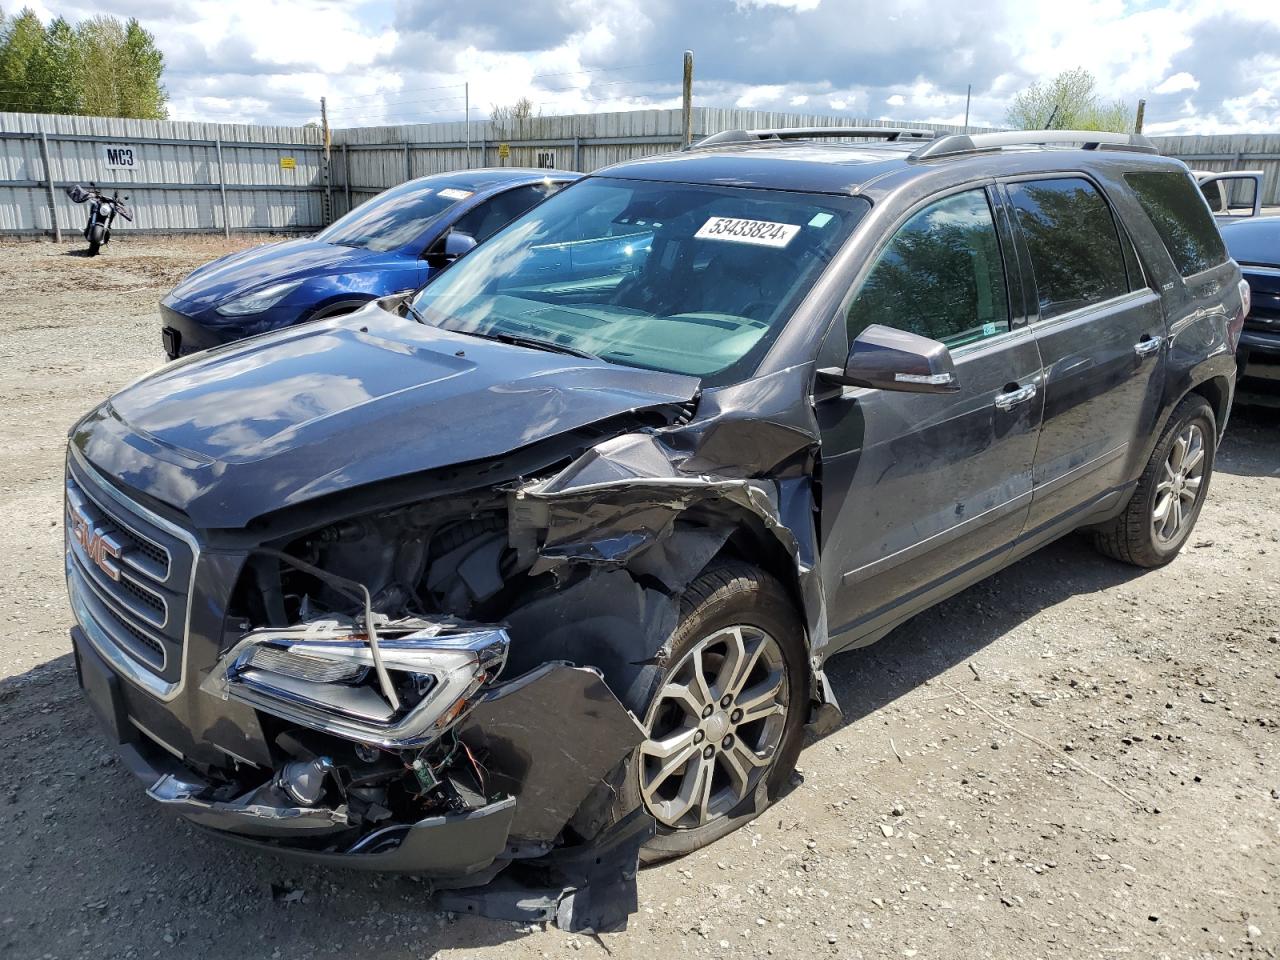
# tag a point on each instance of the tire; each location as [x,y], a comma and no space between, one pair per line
[96,233]
[1140,536]
[730,604]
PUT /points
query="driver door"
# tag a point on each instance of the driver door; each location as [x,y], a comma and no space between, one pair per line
[923,494]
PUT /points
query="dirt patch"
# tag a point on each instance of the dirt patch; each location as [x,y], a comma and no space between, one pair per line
[1072,759]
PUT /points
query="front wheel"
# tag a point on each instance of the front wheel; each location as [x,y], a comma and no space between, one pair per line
[725,721]
[1164,507]
[96,234]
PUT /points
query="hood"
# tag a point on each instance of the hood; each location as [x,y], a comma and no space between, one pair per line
[280,419]
[250,269]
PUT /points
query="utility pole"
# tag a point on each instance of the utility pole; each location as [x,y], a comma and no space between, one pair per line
[688,97]
[968,96]
[1142,113]
[328,179]
[466,100]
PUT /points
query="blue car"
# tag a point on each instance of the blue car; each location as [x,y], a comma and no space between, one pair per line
[394,242]
[1254,243]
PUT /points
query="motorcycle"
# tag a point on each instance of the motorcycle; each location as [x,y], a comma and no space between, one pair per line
[102,213]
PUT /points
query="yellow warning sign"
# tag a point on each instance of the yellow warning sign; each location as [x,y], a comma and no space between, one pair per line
[288,163]
[504,150]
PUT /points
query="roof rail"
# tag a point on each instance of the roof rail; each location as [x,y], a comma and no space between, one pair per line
[727,137]
[958,144]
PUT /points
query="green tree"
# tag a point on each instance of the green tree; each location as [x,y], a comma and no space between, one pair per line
[64,92]
[24,58]
[140,90]
[101,41]
[101,67]
[1069,101]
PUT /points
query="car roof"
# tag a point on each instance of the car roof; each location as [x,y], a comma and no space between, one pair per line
[863,168]
[482,178]
[1254,239]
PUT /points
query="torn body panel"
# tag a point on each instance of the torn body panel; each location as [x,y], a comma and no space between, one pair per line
[631,502]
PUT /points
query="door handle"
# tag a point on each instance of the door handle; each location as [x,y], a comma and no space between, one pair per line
[1011,398]
[1147,346]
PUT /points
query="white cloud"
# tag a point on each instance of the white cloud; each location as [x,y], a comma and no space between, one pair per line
[1177,82]
[1202,67]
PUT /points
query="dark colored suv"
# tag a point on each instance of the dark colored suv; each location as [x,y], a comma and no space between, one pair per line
[532,575]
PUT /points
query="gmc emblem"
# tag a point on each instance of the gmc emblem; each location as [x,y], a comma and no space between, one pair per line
[96,546]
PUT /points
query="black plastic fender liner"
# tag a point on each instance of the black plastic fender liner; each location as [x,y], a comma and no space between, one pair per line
[548,738]
[590,887]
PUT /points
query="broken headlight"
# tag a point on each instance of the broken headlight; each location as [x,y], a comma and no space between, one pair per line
[321,674]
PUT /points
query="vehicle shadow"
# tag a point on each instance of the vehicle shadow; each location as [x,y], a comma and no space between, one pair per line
[91,866]
[82,833]
[930,644]
[938,639]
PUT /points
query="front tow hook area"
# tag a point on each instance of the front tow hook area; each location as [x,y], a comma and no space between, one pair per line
[248,814]
[551,739]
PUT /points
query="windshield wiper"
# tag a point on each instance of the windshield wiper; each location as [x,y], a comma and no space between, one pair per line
[514,339]
[533,343]
[415,312]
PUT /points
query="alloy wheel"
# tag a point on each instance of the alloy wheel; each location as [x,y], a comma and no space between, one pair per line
[714,727]
[1179,486]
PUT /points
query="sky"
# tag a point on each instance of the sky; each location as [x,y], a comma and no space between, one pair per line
[1203,67]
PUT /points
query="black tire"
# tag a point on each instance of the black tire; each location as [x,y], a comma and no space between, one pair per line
[729,593]
[1132,537]
[96,233]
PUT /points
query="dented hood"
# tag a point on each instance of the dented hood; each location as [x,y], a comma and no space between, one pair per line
[241,431]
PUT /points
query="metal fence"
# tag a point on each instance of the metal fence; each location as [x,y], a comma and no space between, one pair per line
[205,177]
[1231,152]
[368,160]
[180,176]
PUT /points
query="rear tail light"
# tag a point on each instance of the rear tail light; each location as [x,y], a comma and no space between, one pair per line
[1237,322]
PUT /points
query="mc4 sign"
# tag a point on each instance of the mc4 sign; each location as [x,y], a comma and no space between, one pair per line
[118,156]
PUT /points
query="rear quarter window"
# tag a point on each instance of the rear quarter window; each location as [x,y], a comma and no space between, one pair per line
[1177,209]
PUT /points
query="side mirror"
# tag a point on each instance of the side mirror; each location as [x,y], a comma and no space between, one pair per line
[449,248]
[883,358]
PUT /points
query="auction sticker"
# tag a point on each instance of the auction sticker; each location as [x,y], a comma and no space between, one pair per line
[763,233]
[449,193]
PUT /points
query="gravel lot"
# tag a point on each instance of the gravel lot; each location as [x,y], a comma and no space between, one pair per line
[1072,759]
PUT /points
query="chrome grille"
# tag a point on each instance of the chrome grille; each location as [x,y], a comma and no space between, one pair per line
[128,574]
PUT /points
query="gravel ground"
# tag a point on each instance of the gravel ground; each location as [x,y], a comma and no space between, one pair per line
[1073,759]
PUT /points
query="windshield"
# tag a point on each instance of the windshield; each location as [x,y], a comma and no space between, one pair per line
[393,218]
[686,278]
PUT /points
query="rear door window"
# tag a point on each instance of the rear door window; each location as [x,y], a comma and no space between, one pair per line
[1177,209]
[1075,247]
[493,214]
[941,276]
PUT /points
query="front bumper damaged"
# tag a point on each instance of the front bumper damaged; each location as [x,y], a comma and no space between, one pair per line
[505,858]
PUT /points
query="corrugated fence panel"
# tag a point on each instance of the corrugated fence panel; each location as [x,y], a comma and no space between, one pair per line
[1231,152]
[370,159]
[274,174]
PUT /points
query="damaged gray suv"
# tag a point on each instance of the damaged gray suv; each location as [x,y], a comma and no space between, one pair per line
[529,577]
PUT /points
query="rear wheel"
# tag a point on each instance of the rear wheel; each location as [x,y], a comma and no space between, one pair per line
[725,721]
[96,234]
[1164,507]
